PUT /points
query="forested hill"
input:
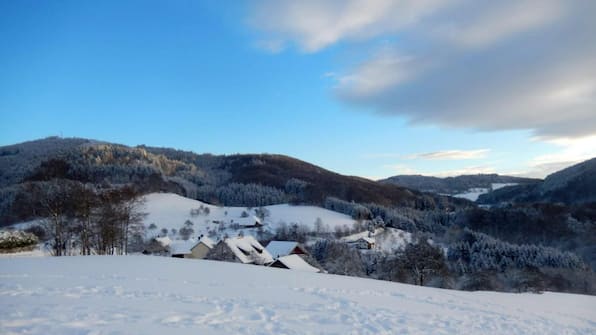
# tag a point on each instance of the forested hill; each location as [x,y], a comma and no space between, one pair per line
[573,185]
[239,180]
[454,185]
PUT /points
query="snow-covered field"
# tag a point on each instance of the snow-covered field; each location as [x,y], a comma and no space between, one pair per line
[157,295]
[473,193]
[170,211]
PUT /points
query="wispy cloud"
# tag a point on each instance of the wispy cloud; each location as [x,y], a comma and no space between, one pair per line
[451,155]
[314,24]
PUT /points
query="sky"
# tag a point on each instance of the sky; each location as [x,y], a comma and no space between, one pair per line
[372,88]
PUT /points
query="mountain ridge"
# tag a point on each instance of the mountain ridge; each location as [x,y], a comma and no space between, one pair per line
[456,184]
[575,184]
[240,179]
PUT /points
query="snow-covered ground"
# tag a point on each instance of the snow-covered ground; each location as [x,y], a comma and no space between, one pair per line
[157,295]
[473,193]
[170,211]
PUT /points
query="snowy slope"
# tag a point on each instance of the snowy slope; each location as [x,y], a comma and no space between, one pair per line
[157,295]
[473,193]
[168,210]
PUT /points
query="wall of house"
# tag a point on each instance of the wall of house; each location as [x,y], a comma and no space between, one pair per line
[200,251]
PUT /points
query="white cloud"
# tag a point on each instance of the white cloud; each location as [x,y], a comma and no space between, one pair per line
[541,81]
[451,155]
[484,65]
[497,20]
[387,69]
[316,24]
[570,151]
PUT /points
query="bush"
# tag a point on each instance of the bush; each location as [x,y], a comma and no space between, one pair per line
[16,239]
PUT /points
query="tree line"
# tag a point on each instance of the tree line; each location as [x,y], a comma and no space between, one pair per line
[84,219]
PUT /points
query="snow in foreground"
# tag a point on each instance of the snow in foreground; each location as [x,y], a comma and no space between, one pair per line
[157,295]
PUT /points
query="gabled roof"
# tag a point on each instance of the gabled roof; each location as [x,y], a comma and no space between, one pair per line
[164,241]
[282,248]
[357,237]
[295,262]
[248,250]
[207,241]
[182,247]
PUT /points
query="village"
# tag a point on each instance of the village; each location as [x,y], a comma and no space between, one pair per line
[240,249]
[186,228]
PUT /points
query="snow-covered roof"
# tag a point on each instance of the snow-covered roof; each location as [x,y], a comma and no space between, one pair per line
[164,241]
[248,250]
[207,241]
[359,236]
[295,262]
[281,248]
[182,247]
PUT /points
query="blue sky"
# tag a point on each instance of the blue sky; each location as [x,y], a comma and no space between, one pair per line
[369,88]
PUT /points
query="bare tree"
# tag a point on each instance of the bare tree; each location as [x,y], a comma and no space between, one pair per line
[424,260]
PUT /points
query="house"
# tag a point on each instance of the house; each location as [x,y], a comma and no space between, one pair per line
[154,247]
[252,222]
[191,248]
[241,249]
[283,248]
[293,262]
[201,249]
[362,240]
[182,249]
[362,243]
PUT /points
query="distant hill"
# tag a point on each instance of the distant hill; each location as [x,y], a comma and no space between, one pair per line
[573,185]
[233,180]
[455,185]
[18,160]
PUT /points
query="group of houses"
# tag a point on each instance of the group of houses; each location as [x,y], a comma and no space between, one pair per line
[241,249]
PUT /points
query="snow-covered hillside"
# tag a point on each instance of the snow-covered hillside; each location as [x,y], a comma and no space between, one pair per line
[473,193]
[157,295]
[170,211]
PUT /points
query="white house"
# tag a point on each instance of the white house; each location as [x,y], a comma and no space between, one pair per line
[242,249]
[191,248]
[363,240]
